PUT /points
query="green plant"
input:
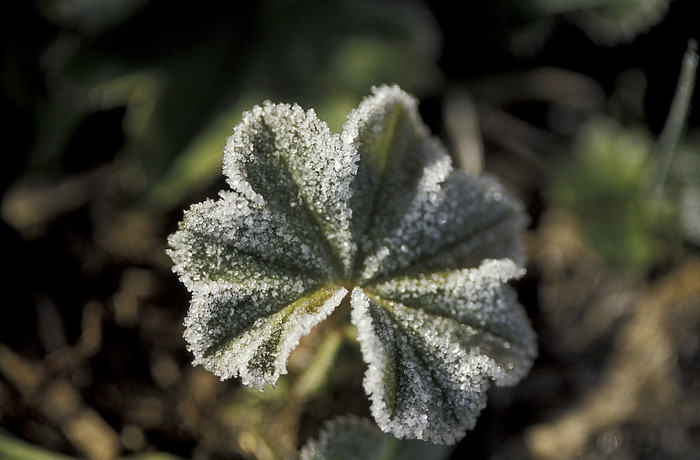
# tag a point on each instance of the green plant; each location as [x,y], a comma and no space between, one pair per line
[376,218]
[606,187]
[630,209]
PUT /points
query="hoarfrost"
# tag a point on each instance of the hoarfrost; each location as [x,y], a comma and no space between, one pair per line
[426,250]
[432,342]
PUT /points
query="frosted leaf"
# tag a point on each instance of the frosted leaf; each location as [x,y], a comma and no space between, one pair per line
[413,208]
[233,238]
[433,341]
[230,336]
[288,161]
[477,302]
[427,252]
[353,438]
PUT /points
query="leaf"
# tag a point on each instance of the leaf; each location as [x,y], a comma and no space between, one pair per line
[232,336]
[287,159]
[606,187]
[351,438]
[415,209]
[378,211]
[124,56]
[432,341]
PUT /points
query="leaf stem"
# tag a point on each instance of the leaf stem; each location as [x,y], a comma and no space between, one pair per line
[672,131]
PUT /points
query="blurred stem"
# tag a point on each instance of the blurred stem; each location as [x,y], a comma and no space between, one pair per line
[678,114]
[315,377]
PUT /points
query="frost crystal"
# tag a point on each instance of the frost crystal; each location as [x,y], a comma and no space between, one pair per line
[425,251]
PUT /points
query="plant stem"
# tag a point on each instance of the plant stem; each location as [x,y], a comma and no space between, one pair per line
[678,114]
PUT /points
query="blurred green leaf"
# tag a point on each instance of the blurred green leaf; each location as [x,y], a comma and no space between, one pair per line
[182,79]
[606,188]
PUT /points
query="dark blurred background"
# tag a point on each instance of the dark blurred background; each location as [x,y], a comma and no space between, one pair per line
[115,115]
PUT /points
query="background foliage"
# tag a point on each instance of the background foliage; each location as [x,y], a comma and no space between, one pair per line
[116,113]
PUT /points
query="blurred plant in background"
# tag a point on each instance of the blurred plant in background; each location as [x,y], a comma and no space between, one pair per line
[607,187]
[183,85]
[617,185]
[607,22]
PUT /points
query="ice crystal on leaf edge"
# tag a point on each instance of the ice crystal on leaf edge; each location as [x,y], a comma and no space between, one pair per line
[378,214]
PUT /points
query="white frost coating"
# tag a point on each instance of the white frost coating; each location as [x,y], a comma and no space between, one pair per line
[428,251]
[480,300]
[302,151]
[422,212]
[476,220]
[216,232]
[375,355]
[431,343]
[367,119]
[407,401]
[259,353]
[408,231]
